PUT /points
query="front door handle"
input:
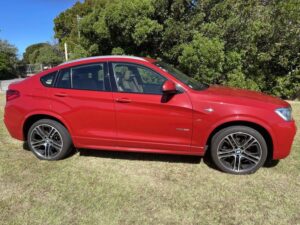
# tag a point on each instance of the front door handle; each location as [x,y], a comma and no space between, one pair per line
[123,100]
[61,94]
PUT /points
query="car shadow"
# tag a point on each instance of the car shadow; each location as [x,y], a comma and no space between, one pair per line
[152,157]
[140,156]
[208,161]
[25,146]
[271,163]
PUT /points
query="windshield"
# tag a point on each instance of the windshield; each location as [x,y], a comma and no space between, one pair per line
[192,83]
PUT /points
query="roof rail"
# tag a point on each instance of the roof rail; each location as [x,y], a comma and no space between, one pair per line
[103,57]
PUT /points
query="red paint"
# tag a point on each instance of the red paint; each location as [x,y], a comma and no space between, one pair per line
[143,122]
[169,87]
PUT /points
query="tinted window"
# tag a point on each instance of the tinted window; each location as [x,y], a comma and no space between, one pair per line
[87,77]
[48,80]
[137,79]
[64,79]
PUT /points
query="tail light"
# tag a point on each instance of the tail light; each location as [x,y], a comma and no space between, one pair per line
[12,94]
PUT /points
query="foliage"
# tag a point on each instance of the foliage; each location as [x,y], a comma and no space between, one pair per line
[8,59]
[286,85]
[30,50]
[43,53]
[207,54]
[117,51]
[248,44]
[49,55]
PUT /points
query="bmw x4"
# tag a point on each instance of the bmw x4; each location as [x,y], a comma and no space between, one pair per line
[126,103]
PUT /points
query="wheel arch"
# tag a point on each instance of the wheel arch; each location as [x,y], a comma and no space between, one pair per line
[31,119]
[261,129]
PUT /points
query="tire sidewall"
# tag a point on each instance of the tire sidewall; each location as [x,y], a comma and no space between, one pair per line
[67,142]
[218,137]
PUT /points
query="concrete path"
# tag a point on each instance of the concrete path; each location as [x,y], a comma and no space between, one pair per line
[5,83]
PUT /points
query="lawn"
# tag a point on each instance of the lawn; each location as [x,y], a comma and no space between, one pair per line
[94,187]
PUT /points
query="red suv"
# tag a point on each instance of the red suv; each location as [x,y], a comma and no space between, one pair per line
[144,105]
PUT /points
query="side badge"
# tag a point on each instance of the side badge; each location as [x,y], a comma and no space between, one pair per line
[182,129]
[209,110]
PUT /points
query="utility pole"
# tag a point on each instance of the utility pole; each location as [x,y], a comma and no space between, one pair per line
[66,52]
[78,20]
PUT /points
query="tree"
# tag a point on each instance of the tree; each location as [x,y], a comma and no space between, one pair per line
[247,44]
[208,54]
[8,60]
[43,53]
[48,55]
[30,49]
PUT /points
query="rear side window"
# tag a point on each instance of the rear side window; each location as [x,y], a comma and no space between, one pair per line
[48,80]
[86,77]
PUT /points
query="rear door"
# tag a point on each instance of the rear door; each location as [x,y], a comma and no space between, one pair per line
[82,95]
[144,120]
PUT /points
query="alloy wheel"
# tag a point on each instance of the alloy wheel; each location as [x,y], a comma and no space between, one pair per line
[46,141]
[239,152]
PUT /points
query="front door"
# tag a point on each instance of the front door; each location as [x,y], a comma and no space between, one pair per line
[143,120]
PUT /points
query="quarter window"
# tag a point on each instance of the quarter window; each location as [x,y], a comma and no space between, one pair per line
[137,79]
[48,80]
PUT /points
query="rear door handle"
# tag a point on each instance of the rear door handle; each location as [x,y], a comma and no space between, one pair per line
[61,94]
[123,100]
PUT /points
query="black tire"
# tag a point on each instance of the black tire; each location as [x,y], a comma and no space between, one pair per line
[230,154]
[59,145]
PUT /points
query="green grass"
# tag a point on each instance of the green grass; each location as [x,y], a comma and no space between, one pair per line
[130,188]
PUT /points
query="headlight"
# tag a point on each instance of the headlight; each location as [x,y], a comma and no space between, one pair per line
[284,113]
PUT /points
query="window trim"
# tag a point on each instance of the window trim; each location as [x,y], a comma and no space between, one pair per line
[106,77]
[114,82]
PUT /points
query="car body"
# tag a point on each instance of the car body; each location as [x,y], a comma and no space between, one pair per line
[143,119]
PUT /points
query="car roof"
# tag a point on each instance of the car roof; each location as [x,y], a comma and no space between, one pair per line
[109,57]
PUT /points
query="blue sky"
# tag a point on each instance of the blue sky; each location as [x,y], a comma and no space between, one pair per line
[26,22]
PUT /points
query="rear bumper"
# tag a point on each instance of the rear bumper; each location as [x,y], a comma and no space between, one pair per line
[284,137]
[13,123]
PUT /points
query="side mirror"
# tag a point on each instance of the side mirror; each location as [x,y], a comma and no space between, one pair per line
[169,87]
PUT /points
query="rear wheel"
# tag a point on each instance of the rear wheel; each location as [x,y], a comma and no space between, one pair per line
[238,150]
[49,140]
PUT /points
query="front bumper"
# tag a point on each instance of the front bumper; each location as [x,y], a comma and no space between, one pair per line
[284,136]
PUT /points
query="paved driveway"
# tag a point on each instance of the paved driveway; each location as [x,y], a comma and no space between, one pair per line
[5,83]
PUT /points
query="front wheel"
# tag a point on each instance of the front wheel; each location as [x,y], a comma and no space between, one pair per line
[238,150]
[49,140]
